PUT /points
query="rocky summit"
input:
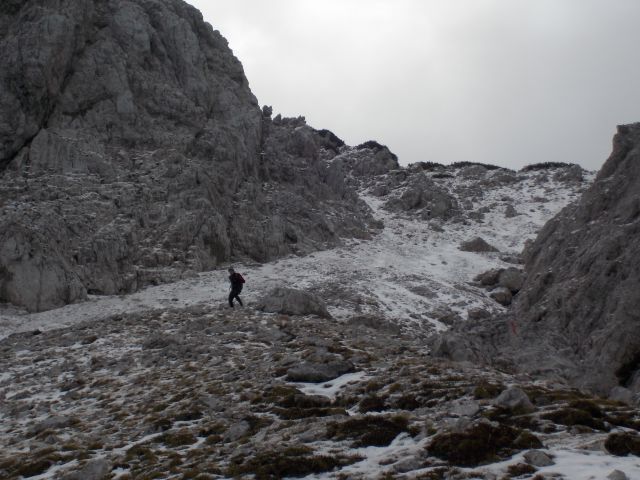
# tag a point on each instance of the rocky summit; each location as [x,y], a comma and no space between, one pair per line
[398,322]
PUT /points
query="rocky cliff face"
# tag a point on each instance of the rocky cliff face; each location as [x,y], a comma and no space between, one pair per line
[132,151]
[577,315]
[579,310]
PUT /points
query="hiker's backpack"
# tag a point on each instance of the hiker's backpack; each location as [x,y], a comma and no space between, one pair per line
[240,278]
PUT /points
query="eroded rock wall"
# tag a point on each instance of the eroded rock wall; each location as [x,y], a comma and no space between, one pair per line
[132,151]
[579,309]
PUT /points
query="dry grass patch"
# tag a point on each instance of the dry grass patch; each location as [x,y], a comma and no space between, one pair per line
[481,443]
[370,430]
[289,462]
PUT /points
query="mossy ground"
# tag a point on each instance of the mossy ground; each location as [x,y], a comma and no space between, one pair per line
[289,462]
[184,408]
[482,443]
[369,430]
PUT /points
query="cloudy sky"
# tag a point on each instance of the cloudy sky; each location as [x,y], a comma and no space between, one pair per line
[506,82]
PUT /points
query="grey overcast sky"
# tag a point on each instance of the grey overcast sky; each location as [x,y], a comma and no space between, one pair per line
[506,82]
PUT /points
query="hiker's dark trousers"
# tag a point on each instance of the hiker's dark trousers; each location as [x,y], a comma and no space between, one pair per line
[234,294]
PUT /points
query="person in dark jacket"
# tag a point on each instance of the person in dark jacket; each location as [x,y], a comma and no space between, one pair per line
[237,282]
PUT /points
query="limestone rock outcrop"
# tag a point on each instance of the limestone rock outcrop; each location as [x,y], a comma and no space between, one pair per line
[290,301]
[132,152]
[421,194]
[578,312]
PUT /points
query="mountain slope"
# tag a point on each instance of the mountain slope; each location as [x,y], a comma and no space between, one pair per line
[576,317]
[412,274]
[132,152]
[580,299]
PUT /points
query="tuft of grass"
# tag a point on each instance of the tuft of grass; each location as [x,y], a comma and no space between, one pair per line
[575,416]
[31,469]
[624,419]
[142,453]
[520,469]
[178,439]
[369,430]
[622,444]
[589,406]
[482,443]
[188,415]
[486,390]
[545,166]
[372,403]
[469,164]
[296,413]
[290,462]
[406,402]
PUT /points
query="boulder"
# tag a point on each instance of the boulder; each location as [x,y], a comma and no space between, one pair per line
[572,173]
[538,458]
[502,295]
[617,475]
[510,211]
[421,194]
[621,394]
[514,399]
[314,372]
[290,301]
[98,469]
[477,245]
[511,278]
[489,278]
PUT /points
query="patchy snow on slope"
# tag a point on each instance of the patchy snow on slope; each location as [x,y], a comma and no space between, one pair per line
[411,272]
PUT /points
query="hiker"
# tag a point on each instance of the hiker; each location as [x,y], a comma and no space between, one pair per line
[237,282]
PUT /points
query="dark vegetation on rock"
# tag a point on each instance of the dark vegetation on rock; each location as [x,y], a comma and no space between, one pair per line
[545,166]
[375,146]
[377,431]
[229,411]
[481,443]
[623,444]
[288,462]
[478,164]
